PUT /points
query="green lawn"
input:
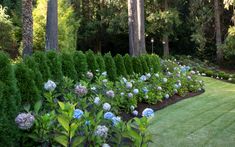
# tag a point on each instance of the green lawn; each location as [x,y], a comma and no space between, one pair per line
[201,121]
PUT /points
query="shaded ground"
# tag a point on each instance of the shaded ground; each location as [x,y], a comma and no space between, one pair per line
[201,121]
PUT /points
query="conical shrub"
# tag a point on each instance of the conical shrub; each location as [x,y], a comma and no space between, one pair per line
[137,66]
[144,65]
[91,61]
[80,63]
[110,67]
[121,70]
[68,67]
[128,64]
[100,62]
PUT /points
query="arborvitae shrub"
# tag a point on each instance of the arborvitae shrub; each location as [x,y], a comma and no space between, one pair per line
[80,63]
[149,62]
[68,66]
[100,62]
[91,61]
[128,64]
[37,76]
[9,133]
[156,63]
[41,59]
[27,88]
[144,65]
[55,65]
[137,66]
[121,70]
[110,67]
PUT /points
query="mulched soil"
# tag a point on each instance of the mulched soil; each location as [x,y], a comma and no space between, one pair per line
[160,105]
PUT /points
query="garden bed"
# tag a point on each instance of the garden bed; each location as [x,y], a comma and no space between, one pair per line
[160,105]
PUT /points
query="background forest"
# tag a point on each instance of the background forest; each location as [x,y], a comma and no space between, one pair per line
[102,25]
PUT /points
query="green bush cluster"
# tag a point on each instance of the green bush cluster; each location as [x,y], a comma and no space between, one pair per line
[121,69]
[137,66]
[68,67]
[27,87]
[10,100]
[80,64]
[128,64]
[100,62]
[55,65]
[91,61]
[110,66]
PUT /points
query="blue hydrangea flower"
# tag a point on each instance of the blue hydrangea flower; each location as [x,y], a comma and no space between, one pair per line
[116,120]
[109,115]
[143,78]
[145,90]
[148,112]
[87,123]
[78,113]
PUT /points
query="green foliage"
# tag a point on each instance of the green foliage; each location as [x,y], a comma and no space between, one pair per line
[137,65]
[156,63]
[121,70]
[8,40]
[68,67]
[149,62]
[37,76]
[110,67]
[67,26]
[144,65]
[100,62]
[229,45]
[41,59]
[27,88]
[9,105]
[80,63]
[91,61]
[55,65]
[128,64]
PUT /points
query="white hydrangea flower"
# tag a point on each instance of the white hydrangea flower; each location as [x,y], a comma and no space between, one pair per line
[130,95]
[97,100]
[132,107]
[49,85]
[105,81]
[101,131]
[164,80]
[25,121]
[89,75]
[159,88]
[136,91]
[122,93]
[135,112]
[110,93]
[148,75]
[104,74]
[105,145]
[157,75]
[106,106]
[129,85]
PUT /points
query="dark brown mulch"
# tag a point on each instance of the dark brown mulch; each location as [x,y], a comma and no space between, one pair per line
[160,105]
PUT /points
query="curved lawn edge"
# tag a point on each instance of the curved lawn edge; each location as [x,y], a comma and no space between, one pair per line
[206,120]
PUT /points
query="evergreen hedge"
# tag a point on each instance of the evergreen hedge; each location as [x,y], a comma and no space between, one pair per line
[100,62]
[10,100]
[121,69]
[27,87]
[37,76]
[144,64]
[110,67]
[156,62]
[137,66]
[68,67]
[128,64]
[91,61]
[55,65]
[41,60]
[80,63]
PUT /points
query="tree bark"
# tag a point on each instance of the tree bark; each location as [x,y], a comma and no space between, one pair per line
[133,27]
[52,25]
[27,31]
[166,50]
[141,27]
[166,45]
[218,31]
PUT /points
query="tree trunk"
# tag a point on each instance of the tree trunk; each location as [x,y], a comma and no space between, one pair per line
[218,31]
[141,27]
[27,31]
[52,25]
[166,47]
